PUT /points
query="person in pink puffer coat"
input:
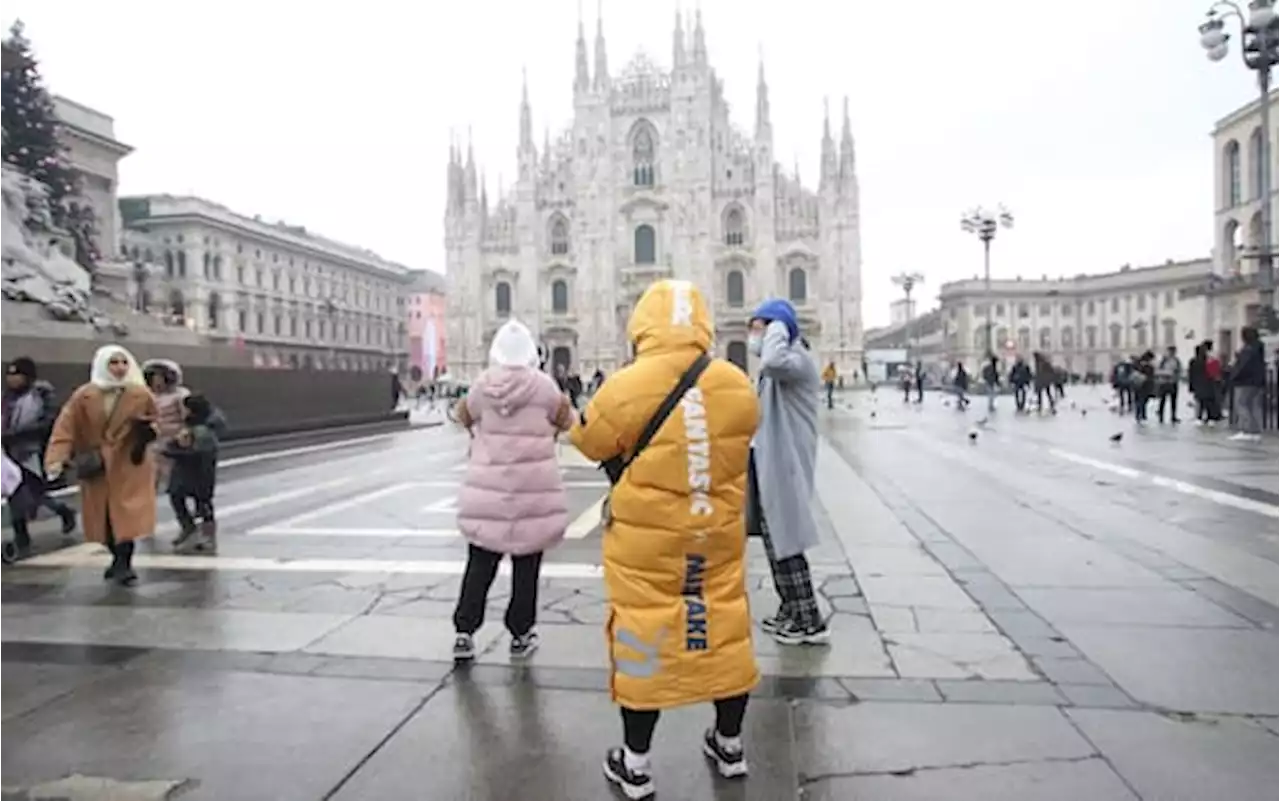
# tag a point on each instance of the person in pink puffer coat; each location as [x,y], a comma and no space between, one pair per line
[513,499]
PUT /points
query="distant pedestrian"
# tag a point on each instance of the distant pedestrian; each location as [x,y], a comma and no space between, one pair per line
[1021,377]
[1248,384]
[194,477]
[1168,377]
[1143,379]
[960,384]
[30,407]
[513,500]
[1044,377]
[829,383]
[104,432]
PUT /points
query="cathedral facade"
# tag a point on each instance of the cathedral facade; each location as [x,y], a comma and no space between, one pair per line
[651,181]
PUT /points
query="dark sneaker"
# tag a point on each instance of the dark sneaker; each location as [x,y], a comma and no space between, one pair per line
[524,645]
[464,648]
[68,516]
[773,623]
[792,633]
[183,540]
[635,785]
[729,764]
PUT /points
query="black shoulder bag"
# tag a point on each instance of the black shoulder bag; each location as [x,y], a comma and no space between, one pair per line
[615,467]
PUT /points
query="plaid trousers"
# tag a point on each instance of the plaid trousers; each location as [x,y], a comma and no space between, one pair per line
[793,583]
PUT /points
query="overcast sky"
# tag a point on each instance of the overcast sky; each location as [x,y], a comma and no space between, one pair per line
[1089,119]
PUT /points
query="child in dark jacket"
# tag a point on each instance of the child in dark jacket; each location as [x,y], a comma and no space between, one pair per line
[194,451]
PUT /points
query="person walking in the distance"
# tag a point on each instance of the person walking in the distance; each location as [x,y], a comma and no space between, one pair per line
[513,500]
[679,626]
[783,454]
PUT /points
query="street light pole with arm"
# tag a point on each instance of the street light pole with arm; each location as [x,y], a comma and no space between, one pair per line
[908,282]
[984,224]
[1260,50]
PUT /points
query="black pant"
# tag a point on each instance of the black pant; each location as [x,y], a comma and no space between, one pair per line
[638,724]
[1168,393]
[1140,398]
[121,552]
[182,512]
[482,566]
[1020,396]
[1125,397]
[1041,393]
[831,401]
[25,505]
[1208,406]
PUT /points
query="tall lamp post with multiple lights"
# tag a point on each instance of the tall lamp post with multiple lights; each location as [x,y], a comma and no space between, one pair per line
[984,224]
[908,282]
[1260,49]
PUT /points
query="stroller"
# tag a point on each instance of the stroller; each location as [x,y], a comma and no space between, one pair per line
[11,485]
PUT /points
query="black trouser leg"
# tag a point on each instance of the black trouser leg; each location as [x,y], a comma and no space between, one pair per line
[729,715]
[831,391]
[522,609]
[637,729]
[482,566]
[181,512]
[124,555]
[21,534]
[204,509]
[1173,403]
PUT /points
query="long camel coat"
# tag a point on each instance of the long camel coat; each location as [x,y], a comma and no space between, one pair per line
[126,492]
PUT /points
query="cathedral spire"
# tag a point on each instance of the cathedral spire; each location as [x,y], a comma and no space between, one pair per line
[677,42]
[546,147]
[828,172]
[470,169]
[763,124]
[602,60]
[699,40]
[526,115]
[846,144]
[582,77]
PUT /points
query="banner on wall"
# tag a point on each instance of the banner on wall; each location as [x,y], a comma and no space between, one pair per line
[429,345]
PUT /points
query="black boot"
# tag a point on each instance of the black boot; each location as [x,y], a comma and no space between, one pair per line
[123,568]
[68,516]
[21,536]
[110,572]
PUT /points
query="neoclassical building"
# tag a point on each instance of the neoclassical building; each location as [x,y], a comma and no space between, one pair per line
[651,180]
[1085,323]
[292,298]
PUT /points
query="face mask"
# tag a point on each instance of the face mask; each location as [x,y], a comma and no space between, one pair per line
[754,343]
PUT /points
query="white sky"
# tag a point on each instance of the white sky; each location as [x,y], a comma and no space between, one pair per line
[1089,118]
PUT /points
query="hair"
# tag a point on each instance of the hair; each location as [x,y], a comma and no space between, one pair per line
[199,409]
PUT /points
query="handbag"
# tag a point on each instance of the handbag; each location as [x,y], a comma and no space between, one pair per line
[90,464]
[615,467]
[753,514]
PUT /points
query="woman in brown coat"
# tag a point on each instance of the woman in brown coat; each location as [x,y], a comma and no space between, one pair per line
[103,431]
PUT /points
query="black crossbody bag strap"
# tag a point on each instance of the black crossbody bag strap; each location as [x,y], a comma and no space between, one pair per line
[686,382]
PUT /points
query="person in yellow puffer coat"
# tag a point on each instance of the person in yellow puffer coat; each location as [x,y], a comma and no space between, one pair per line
[679,626]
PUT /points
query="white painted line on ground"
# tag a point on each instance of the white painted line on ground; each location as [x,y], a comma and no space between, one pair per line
[394,533]
[73,558]
[343,505]
[446,505]
[1185,487]
[567,485]
[585,522]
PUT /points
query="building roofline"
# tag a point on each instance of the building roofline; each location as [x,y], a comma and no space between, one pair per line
[297,236]
[1240,113]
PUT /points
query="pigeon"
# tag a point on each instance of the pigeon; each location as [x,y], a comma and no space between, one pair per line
[873,415]
[1116,437]
[1084,412]
[973,436]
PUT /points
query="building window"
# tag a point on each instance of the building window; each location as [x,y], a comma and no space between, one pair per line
[1115,305]
[1169,299]
[1170,333]
[182,264]
[733,227]
[733,289]
[239,275]
[1231,173]
[215,311]
[1259,158]
[559,236]
[261,320]
[1002,337]
[1046,339]
[1141,302]
[642,156]
[1091,337]
[1115,333]
[1045,310]
[502,298]
[1024,339]
[645,245]
[217,268]
[797,285]
[1024,311]
[1090,308]
[277,326]
[1068,338]
[999,310]
[980,310]
[242,321]
[1067,308]
[168,263]
[208,265]
[1140,335]
[559,297]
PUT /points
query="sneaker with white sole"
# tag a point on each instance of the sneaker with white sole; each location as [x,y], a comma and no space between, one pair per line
[524,645]
[792,633]
[730,764]
[634,784]
[464,648]
[774,622]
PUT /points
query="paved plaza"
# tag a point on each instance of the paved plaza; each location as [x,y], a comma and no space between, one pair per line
[1034,613]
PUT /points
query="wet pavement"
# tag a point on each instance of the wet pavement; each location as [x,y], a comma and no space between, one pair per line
[1034,613]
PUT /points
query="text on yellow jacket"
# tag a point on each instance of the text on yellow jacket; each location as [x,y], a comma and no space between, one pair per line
[678,626]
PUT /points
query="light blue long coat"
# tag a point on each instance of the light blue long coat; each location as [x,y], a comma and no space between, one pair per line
[786,443]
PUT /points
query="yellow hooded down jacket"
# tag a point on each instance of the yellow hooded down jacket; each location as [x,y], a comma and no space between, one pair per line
[679,627]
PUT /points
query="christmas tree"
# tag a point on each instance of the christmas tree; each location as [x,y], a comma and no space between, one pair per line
[31,143]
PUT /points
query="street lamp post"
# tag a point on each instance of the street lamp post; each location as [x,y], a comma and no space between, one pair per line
[1260,50]
[984,224]
[908,282]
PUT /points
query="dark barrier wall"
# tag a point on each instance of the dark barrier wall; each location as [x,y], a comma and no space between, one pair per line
[255,401]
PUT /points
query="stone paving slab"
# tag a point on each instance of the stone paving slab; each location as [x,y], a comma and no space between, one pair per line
[513,742]
[1070,780]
